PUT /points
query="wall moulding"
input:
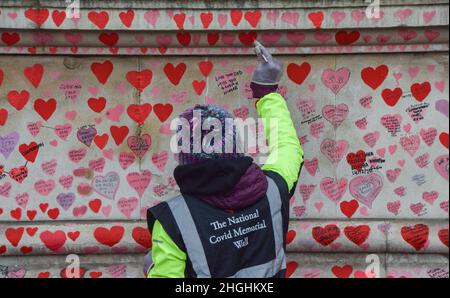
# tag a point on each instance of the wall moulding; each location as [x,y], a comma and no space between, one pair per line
[235,18]
[222,42]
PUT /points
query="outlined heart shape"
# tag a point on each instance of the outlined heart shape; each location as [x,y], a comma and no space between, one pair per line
[107,185]
[366,188]
[139,145]
[335,80]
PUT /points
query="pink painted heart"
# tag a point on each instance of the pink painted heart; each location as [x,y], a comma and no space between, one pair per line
[126,159]
[335,114]
[70,115]
[316,129]
[73,38]
[358,15]
[306,105]
[440,85]
[403,14]
[322,37]
[430,197]
[366,188]
[66,181]
[361,123]
[160,160]
[334,150]
[410,144]
[299,211]
[366,101]
[295,37]
[63,131]
[392,123]
[270,38]
[139,144]
[272,16]
[291,18]
[384,228]
[417,208]
[335,80]
[107,185]
[397,75]
[108,153]
[97,165]
[152,17]
[22,199]
[444,206]
[392,149]
[333,189]
[93,90]
[71,89]
[306,190]
[441,164]
[318,206]
[363,211]
[127,206]
[178,98]
[422,160]
[139,181]
[431,35]
[371,138]
[114,113]
[392,175]
[49,167]
[311,165]
[106,210]
[407,34]
[381,152]
[394,207]
[12,15]
[413,71]
[34,128]
[400,191]
[118,271]
[337,17]
[428,135]
[16,273]
[428,15]
[165,129]
[44,187]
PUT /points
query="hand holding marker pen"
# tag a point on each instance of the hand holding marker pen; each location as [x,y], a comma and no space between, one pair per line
[269,70]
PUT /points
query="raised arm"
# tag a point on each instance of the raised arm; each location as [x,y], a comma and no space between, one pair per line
[285,151]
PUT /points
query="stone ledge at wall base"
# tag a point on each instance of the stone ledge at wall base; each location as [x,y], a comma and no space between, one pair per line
[316,236]
[305,265]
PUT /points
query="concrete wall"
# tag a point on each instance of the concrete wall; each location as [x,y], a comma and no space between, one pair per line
[374,86]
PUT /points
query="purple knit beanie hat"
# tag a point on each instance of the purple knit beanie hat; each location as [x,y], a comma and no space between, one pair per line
[209,114]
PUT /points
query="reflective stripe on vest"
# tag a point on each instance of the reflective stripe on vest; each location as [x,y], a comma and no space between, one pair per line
[194,245]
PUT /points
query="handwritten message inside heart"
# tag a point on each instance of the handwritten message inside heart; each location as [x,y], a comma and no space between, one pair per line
[366,188]
[107,185]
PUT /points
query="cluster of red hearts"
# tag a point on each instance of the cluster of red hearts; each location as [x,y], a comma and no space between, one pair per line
[18,99]
[58,240]
[416,236]
[373,77]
